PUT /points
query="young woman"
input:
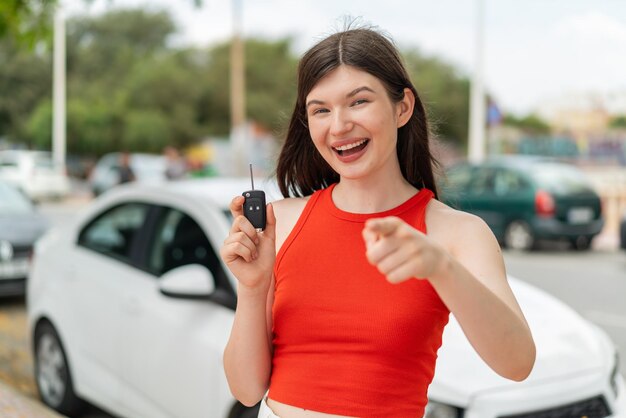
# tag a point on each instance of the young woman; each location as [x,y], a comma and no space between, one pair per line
[342,300]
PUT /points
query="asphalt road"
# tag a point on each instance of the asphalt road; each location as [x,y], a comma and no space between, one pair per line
[593,283]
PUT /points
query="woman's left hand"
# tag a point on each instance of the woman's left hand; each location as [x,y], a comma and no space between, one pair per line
[401,252]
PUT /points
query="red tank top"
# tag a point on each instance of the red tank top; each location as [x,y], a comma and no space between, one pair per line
[346,341]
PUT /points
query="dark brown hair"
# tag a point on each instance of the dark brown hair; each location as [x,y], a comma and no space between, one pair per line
[301,170]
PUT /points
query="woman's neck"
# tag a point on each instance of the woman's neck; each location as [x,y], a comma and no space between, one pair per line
[371,195]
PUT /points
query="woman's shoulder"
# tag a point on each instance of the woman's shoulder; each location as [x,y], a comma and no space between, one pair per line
[451,226]
[440,212]
[287,212]
[290,204]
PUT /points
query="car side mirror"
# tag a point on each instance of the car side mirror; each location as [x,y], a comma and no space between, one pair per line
[192,281]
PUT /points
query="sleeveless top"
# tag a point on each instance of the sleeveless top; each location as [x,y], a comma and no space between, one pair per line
[346,341]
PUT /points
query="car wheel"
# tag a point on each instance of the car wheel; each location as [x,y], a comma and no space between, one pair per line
[581,243]
[52,372]
[241,411]
[518,236]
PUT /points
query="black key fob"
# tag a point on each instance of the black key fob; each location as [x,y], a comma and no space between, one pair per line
[254,208]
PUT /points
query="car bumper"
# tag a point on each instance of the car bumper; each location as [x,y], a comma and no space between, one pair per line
[553,228]
[550,396]
[47,190]
[12,287]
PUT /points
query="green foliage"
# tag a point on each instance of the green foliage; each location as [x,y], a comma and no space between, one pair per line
[445,94]
[146,130]
[530,124]
[618,122]
[270,70]
[129,88]
[26,21]
[39,126]
[24,81]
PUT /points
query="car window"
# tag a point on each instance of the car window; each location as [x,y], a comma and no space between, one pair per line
[508,181]
[43,160]
[112,233]
[13,201]
[180,241]
[458,177]
[560,178]
[483,180]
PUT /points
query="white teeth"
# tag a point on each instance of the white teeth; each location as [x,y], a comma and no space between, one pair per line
[350,146]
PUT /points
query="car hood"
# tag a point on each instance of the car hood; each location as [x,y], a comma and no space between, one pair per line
[23,228]
[566,343]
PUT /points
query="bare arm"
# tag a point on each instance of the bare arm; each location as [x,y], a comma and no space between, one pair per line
[463,262]
[472,283]
[250,256]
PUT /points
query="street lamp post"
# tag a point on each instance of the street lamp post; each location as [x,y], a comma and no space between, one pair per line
[237,92]
[476,146]
[58,89]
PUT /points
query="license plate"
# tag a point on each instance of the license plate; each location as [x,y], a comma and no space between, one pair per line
[13,269]
[579,215]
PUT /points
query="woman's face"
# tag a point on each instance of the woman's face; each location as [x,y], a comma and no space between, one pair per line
[354,123]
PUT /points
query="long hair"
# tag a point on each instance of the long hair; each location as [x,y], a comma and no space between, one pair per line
[301,170]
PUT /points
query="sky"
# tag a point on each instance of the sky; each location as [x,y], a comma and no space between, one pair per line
[535,51]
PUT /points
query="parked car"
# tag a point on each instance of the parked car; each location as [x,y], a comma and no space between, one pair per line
[35,173]
[130,308]
[527,199]
[147,168]
[20,226]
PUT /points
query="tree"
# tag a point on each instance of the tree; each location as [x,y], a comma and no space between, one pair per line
[25,78]
[30,21]
[618,122]
[129,88]
[445,93]
[26,21]
[270,84]
[530,124]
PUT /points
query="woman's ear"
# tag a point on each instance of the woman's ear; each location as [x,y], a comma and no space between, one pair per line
[404,108]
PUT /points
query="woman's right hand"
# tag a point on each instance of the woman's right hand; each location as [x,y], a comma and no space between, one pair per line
[250,255]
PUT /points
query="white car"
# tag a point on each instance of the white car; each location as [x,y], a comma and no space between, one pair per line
[147,168]
[130,308]
[35,173]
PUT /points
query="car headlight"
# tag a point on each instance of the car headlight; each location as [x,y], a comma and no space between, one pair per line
[440,410]
[615,374]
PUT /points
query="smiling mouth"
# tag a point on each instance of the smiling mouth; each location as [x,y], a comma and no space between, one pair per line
[350,149]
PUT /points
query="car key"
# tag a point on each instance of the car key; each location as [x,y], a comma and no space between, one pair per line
[254,205]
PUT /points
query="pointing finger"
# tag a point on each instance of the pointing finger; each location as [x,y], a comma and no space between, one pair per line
[383,226]
[369,237]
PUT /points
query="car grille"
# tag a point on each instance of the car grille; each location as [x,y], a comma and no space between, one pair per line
[589,408]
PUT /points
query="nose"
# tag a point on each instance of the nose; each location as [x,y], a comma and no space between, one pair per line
[340,124]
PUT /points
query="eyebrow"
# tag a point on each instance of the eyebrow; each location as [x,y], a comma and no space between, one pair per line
[351,94]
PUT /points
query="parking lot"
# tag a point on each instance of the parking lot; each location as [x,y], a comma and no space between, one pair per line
[591,282]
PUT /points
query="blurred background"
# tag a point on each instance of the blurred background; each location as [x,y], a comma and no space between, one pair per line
[201,88]
[144,75]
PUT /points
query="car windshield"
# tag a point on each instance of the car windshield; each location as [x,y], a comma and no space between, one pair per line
[148,167]
[12,201]
[560,178]
[44,160]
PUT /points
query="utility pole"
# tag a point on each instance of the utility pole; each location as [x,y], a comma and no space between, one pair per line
[476,145]
[58,89]
[237,93]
